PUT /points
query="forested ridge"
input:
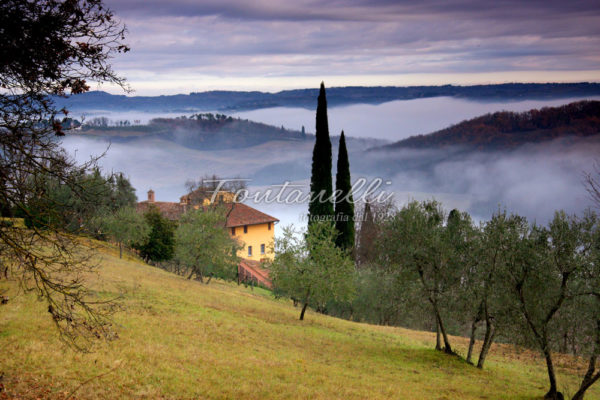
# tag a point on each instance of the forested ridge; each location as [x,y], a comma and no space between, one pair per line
[505,130]
[199,131]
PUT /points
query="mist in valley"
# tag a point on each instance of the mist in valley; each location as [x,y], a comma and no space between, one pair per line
[533,180]
[394,120]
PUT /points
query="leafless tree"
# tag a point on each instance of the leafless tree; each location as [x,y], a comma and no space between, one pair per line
[592,183]
[50,48]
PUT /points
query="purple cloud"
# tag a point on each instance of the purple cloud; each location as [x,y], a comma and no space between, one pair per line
[267,39]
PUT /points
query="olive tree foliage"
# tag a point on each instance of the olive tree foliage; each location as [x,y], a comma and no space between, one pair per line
[441,263]
[379,300]
[126,227]
[585,331]
[310,268]
[417,246]
[482,296]
[537,286]
[50,47]
[552,276]
[203,245]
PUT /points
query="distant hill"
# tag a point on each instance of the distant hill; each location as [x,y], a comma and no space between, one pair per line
[505,130]
[200,131]
[336,96]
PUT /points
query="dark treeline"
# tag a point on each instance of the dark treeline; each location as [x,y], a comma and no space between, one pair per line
[505,130]
[503,280]
[199,131]
[238,100]
[73,203]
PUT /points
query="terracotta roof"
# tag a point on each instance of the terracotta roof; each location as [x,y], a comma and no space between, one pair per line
[168,209]
[239,214]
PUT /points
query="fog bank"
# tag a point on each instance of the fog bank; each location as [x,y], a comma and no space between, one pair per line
[534,180]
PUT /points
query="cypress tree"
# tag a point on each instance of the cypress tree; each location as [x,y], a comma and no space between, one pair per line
[321,186]
[160,245]
[344,203]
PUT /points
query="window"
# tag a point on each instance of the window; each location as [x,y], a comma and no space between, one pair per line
[233,231]
[249,251]
[262,248]
[269,225]
[245,228]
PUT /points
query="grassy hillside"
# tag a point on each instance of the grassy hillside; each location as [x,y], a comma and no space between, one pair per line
[183,339]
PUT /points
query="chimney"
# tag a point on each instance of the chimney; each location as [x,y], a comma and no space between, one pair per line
[150,196]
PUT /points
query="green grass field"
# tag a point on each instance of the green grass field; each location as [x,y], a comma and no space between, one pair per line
[182,339]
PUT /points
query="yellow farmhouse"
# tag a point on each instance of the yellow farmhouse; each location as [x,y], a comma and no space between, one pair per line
[253,229]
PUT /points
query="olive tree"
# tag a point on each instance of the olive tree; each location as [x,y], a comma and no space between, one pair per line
[310,268]
[544,274]
[126,227]
[482,284]
[416,248]
[204,247]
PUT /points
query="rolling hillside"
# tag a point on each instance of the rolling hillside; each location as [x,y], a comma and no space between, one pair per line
[197,132]
[182,339]
[506,130]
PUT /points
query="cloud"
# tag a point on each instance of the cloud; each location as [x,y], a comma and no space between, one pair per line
[533,180]
[230,39]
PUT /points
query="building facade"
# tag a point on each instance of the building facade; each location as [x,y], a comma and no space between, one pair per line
[251,228]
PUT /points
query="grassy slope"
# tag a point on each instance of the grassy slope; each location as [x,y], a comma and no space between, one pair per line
[182,339]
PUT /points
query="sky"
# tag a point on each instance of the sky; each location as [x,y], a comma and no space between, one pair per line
[182,46]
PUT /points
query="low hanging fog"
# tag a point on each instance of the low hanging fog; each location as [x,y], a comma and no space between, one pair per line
[534,180]
[394,120]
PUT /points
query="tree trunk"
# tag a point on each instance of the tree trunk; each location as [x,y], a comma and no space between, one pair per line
[476,320]
[585,385]
[209,278]
[472,341]
[589,379]
[553,393]
[303,311]
[442,330]
[490,333]
[120,250]
[438,338]
[447,347]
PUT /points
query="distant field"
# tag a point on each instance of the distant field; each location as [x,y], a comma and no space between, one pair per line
[183,339]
